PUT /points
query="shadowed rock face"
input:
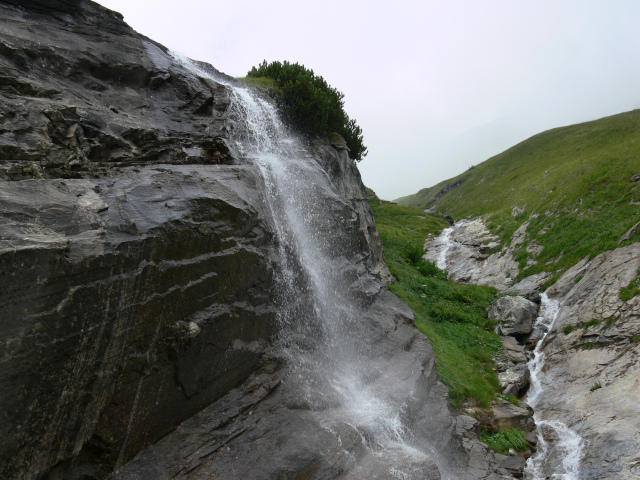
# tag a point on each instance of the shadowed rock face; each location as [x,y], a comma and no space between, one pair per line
[136,280]
[119,324]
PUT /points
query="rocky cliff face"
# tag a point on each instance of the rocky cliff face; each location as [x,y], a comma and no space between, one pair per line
[136,271]
[132,296]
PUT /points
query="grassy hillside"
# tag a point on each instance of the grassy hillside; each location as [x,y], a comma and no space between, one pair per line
[574,184]
[452,316]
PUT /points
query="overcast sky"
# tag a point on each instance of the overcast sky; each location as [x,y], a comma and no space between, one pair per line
[437,86]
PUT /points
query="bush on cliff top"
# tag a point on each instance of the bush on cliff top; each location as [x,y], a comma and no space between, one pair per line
[310,104]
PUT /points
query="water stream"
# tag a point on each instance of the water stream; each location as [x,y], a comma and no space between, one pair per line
[317,316]
[559,459]
[445,244]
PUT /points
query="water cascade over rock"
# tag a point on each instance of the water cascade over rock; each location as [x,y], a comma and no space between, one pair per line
[189,290]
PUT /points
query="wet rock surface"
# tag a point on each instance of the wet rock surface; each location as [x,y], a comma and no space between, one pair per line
[119,324]
[136,264]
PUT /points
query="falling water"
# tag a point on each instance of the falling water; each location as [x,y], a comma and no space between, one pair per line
[560,458]
[317,316]
[445,244]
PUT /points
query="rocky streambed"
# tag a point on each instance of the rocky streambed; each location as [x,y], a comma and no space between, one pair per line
[586,378]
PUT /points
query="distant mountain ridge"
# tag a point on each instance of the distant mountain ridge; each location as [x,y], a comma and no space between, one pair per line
[578,187]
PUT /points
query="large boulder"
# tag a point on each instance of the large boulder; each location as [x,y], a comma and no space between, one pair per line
[515,315]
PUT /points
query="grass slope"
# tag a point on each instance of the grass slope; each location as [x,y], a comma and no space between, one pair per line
[573,183]
[452,316]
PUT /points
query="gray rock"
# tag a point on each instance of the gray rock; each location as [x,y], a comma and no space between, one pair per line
[515,380]
[515,315]
[536,335]
[513,350]
[467,425]
[514,464]
[532,440]
[529,287]
[507,415]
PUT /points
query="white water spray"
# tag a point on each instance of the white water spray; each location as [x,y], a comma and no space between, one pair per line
[560,459]
[318,319]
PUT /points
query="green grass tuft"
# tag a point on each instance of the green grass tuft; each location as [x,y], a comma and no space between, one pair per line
[510,398]
[501,442]
[631,290]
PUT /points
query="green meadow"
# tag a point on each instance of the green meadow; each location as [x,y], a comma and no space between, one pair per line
[574,185]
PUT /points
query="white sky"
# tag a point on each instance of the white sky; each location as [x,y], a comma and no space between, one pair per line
[437,86]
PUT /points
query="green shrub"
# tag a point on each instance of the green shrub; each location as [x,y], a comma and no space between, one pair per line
[412,254]
[568,329]
[501,442]
[429,269]
[610,321]
[591,323]
[309,104]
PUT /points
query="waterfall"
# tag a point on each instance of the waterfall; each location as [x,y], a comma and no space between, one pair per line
[560,458]
[318,318]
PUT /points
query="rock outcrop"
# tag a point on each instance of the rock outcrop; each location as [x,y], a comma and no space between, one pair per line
[470,255]
[592,363]
[137,258]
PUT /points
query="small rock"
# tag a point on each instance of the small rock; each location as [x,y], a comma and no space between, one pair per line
[466,424]
[513,350]
[515,380]
[514,464]
[532,440]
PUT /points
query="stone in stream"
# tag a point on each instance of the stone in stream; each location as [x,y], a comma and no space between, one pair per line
[515,380]
[513,350]
[515,315]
